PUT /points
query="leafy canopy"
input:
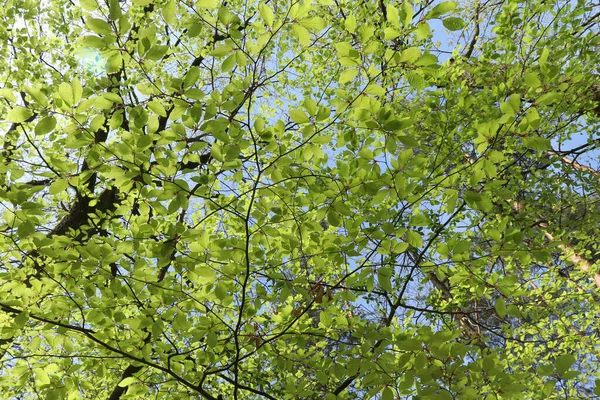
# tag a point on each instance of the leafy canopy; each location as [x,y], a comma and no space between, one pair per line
[299,199]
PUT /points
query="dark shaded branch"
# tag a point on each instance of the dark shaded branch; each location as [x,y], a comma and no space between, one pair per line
[120,390]
[471,46]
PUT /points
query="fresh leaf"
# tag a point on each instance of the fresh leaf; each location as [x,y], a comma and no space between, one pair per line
[19,114]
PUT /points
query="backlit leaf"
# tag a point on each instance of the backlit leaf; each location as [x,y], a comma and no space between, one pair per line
[410,55]
[45,125]
[266,14]
[18,114]
[299,116]
[442,8]
[301,34]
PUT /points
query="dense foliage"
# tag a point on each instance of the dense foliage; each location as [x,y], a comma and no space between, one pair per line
[299,199]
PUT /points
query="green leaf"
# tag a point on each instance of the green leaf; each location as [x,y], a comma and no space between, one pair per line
[266,13]
[19,114]
[414,239]
[114,10]
[8,95]
[99,26]
[97,122]
[301,34]
[310,105]
[191,77]
[194,93]
[299,116]
[45,125]
[128,381]
[169,12]
[114,63]
[38,96]
[112,97]
[563,363]
[90,5]
[390,33]
[427,59]
[347,76]
[410,55]
[488,364]
[59,186]
[229,63]
[500,306]
[408,141]
[157,108]
[92,41]
[423,30]
[333,218]
[383,277]
[202,275]
[400,247]
[532,80]
[41,376]
[392,15]
[548,98]
[537,143]
[506,108]
[174,205]
[415,80]
[225,16]
[395,125]
[77,90]
[65,91]
[215,152]
[453,23]
[241,59]
[208,4]
[442,8]
[367,153]
[21,319]
[350,23]
[387,394]
[221,51]
[409,344]
[314,24]
[157,52]
[544,58]
[406,13]
[472,197]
